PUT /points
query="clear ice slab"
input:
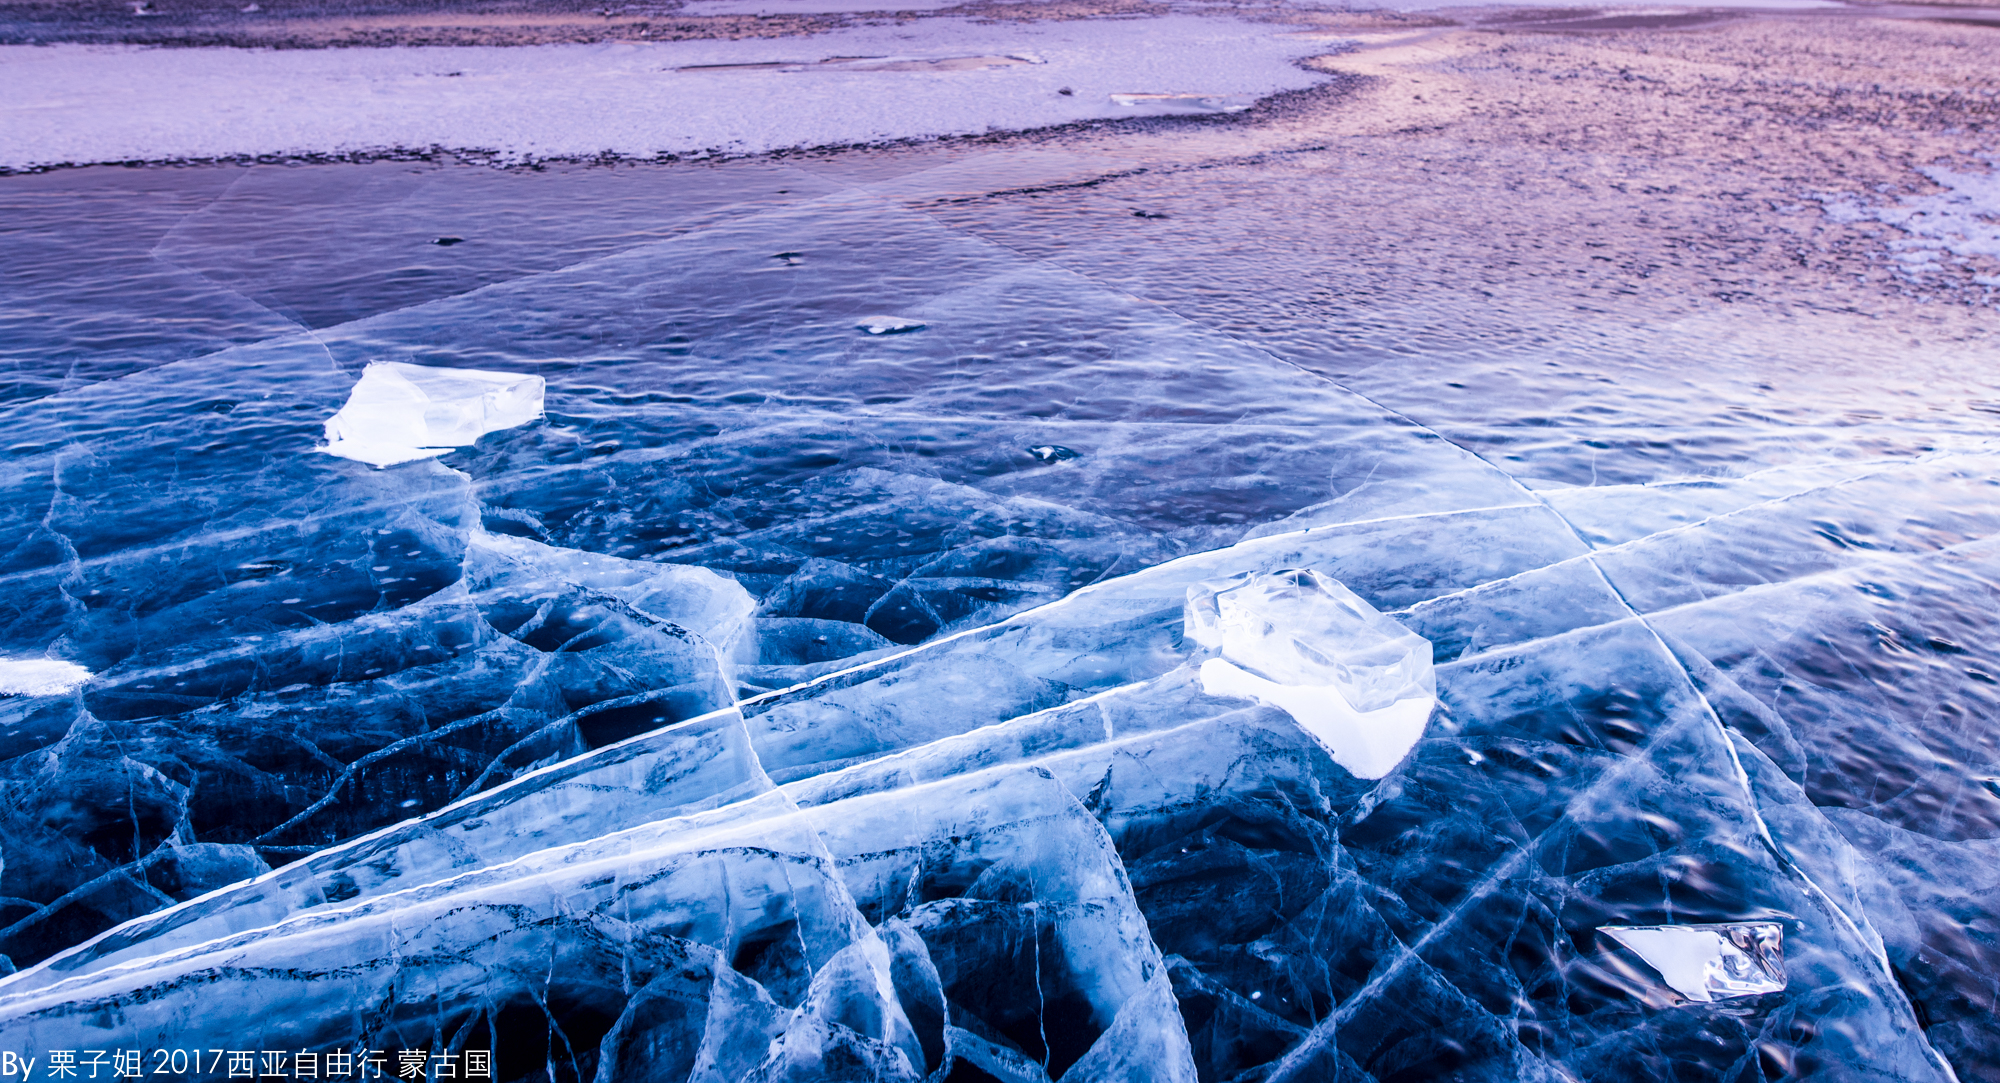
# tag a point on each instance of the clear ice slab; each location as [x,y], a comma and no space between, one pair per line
[1710,962]
[1356,680]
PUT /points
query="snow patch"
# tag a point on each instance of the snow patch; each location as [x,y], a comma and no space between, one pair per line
[930,77]
[40,677]
[1961,221]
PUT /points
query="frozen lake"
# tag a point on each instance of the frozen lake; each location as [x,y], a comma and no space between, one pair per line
[811,686]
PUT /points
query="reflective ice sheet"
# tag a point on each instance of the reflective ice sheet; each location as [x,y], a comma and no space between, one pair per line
[888,712]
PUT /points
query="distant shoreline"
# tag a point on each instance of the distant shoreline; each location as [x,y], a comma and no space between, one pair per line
[247,24]
[385,23]
[559,81]
[863,85]
[1741,149]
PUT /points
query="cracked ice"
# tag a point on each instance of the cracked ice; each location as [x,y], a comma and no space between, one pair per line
[810,719]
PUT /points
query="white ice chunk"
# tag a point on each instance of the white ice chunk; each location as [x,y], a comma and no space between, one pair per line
[1710,962]
[40,677]
[1358,682]
[888,325]
[398,413]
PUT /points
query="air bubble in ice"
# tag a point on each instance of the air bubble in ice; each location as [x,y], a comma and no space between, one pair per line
[888,325]
[40,677]
[398,413]
[1710,962]
[1358,682]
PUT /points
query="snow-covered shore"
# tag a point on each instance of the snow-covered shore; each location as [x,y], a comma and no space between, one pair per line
[76,104]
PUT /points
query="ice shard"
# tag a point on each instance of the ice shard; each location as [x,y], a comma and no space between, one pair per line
[1298,640]
[1710,962]
[889,325]
[400,412]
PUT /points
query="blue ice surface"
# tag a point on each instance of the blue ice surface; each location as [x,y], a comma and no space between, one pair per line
[777,708]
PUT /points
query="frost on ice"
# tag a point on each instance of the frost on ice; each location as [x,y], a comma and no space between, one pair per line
[1710,962]
[398,412]
[1356,680]
[40,676]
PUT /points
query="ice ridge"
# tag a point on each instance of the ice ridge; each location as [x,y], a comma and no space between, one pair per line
[1043,849]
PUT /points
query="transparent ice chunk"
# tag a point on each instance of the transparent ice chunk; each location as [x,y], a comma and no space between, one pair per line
[40,677]
[1710,962]
[398,413]
[1358,682]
